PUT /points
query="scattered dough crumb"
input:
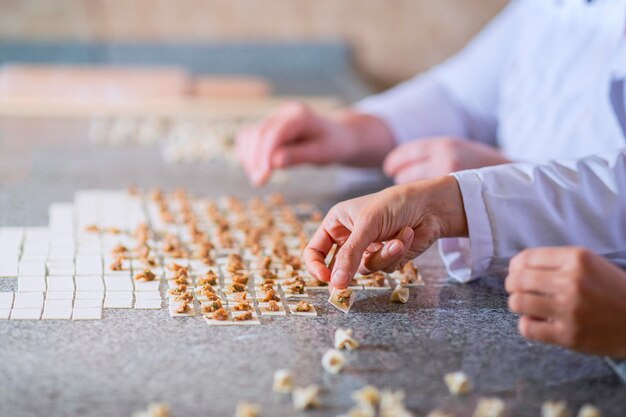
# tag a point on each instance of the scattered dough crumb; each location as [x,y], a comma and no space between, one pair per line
[554,409]
[246,409]
[400,294]
[283,381]
[458,383]
[333,360]
[489,407]
[589,410]
[367,396]
[344,339]
[392,404]
[305,397]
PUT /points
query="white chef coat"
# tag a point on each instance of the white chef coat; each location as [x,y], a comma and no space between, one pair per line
[535,83]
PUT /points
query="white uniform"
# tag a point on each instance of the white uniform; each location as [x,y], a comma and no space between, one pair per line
[543,81]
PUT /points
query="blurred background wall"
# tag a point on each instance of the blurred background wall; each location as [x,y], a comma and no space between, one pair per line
[392,39]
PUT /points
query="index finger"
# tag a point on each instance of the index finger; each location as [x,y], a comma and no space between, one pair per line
[315,254]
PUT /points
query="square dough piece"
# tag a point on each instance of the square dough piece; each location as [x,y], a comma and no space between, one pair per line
[87,303]
[254,321]
[89,283]
[6,300]
[28,300]
[292,309]
[34,283]
[5,313]
[118,300]
[89,295]
[93,313]
[333,300]
[60,283]
[265,311]
[289,294]
[32,268]
[148,304]
[147,286]
[57,304]
[212,322]
[60,295]
[118,283]
[172,310]
[26,314]
[51,313]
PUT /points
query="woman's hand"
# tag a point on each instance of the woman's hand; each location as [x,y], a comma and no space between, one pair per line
[384,230]
[295,135]
[570,297]
[433,157]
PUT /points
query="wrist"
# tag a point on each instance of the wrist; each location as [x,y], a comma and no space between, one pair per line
[368,139]
[441,198]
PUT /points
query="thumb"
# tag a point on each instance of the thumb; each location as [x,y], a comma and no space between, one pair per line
[350,253]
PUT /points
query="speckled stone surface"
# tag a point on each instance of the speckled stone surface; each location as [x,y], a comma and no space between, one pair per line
[117,365]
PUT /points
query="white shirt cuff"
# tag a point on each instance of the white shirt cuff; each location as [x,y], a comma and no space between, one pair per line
[466,259]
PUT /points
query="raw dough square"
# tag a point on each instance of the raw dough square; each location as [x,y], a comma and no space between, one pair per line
[5,313]
[31,283]
[57,304]
[32,268]
[60,283]
[148,304]
[57,313]
[9,266]
[172,309]
[292,309]
[333,300]
[94,313]
[87,303]
[290,294]
[118,283]
[26,314]
[148,295]
[118,302]
[90,295]
[212,322]
[6,299]
[147,286]
[61,269]
[266,312]
[89,283]
[60,295]
[28,300]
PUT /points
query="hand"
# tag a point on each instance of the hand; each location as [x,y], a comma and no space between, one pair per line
[570,297]
[433,157]
[295,134]
[384,230]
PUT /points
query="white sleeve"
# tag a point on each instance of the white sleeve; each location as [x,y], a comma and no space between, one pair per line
[516,206]
[458,97]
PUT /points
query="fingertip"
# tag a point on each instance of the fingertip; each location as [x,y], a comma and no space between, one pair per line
[280,159]
[339,278]
[393,248]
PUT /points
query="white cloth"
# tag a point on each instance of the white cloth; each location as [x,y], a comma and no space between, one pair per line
[565,202]
[535,82]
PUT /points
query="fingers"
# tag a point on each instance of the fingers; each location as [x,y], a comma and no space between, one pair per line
[315,254]
[403,156]
[540,330]
[389,255]
[284,127]
[349,255]
[533,305]
[297,154]
[546,258]
[532,280]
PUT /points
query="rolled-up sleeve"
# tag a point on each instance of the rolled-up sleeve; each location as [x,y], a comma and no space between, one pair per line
[516,206]
[458,97]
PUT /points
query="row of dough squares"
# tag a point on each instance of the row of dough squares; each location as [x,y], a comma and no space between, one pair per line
[122,245]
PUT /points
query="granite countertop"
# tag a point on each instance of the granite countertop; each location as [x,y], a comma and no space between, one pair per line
[117,365]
